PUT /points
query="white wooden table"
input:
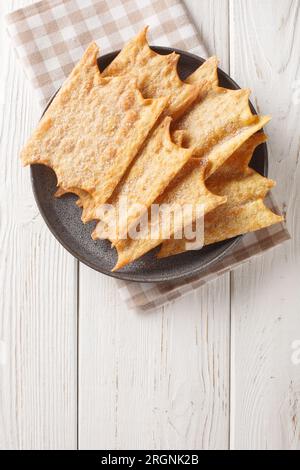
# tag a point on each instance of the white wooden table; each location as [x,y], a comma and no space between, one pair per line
[218,369]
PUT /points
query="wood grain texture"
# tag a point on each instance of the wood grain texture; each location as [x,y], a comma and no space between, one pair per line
[265,386]
[38,290]
[157,380]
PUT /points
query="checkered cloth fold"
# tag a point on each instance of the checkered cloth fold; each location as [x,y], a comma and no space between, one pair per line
[49,38]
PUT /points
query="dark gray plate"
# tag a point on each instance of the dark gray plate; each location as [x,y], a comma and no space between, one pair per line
[63,216]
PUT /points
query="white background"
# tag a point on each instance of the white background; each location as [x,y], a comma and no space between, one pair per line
[213,370]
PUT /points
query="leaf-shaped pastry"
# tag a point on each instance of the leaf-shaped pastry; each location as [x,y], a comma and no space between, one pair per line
[188,187]
[155,166]
[219,121]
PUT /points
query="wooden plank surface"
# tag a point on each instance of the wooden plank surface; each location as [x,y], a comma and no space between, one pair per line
[265,387]
[38,289]
[158,380]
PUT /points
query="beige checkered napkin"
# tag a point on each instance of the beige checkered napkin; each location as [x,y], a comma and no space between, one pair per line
[51,35]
